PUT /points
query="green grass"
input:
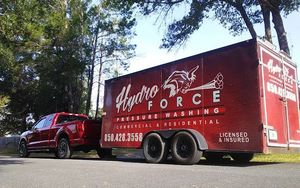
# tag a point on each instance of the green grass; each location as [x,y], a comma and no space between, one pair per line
[277,158]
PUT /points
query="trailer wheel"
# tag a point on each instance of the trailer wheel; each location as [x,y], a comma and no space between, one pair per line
[242,157]
[63,150]
[184,149]
[155,148]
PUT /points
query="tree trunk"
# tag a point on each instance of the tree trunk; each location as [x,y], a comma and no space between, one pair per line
[281,34]
[89,93]
[78,94]
[98,89]
[248,22]
[99,80]
[68,89]
[91,74]
[267,23]
[239,6]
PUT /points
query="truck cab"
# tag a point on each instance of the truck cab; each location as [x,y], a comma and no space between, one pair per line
[61,133]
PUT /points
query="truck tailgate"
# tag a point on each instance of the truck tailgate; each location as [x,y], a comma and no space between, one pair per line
[92,129]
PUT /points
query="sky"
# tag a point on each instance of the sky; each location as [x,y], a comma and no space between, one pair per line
[211,35]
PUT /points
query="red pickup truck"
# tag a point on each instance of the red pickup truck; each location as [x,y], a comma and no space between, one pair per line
[62,133]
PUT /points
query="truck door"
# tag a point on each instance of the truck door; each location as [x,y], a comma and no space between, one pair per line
[34,137]
[280,99]
[45,131]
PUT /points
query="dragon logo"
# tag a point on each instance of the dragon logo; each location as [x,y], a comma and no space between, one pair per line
[181,81]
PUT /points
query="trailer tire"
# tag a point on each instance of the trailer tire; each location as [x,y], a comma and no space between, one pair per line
[184,149]
[63,150]
[242,157]
[155,148]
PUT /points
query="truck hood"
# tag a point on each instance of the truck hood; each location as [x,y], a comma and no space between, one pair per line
[24,134]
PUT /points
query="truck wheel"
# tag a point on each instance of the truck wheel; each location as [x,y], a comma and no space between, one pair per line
[184,149]
[63,149]
[155,148]
[104,153]
[242,157]
[23,151]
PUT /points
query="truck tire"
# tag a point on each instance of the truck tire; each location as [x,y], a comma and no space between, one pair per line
[23,151]
[155,148]
[184,149]
[63,150]
[242,157]
[104,153]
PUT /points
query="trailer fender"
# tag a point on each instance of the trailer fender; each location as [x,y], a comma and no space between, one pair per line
[201,142]
[166,134]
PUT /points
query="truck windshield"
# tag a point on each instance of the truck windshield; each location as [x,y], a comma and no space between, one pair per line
[69,118]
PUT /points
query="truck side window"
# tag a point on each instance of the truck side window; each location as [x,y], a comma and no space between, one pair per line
[76,118]
[40,124]
[62,119]
[49,120]
[69,118]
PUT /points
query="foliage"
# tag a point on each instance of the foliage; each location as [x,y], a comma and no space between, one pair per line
[45,52]
[276,8]
[236,15]
[3,102]
[63,60]
[111,32]
[288,6]
[20,34]
[229,13]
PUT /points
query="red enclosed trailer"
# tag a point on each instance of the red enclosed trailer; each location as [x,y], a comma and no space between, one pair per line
[239,100]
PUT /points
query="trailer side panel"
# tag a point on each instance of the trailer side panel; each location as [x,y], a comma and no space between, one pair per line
[216,94]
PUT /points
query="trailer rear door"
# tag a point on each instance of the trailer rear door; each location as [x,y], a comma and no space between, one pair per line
[280,100]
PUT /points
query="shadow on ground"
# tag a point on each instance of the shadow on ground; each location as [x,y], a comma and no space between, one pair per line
[132,158]
[8,160]
[225,162]
[228,162]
